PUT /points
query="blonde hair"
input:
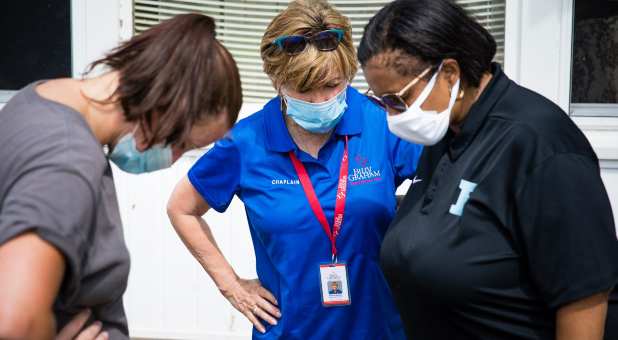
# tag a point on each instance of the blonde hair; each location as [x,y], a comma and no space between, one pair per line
[311,69]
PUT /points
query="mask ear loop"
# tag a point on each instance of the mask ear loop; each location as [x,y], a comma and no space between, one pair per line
[454,96]
[427,90]
[283,102]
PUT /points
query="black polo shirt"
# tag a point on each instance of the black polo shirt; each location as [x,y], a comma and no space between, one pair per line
[506,222]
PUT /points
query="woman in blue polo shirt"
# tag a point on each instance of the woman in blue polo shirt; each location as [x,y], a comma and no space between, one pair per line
[317,170]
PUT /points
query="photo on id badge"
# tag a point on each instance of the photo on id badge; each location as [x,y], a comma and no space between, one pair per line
[334,285]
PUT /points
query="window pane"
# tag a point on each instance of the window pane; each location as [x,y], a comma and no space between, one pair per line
[595,62]
[241,24]
[490,14]
[37,42]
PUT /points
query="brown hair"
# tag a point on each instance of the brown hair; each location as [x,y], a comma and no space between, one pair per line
[310,69]
[174,75]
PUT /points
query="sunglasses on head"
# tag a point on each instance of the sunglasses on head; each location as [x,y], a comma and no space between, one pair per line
[324,41]
[395,101]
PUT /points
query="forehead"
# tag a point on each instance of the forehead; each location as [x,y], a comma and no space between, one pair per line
[208,130]
[383,79]
[389,71]
[399,60]
[334,78]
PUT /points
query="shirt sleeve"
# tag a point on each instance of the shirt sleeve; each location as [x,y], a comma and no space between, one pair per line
[216,175]
[567,230]
[404,156]
[58,204]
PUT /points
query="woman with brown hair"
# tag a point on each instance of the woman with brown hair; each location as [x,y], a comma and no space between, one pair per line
[171,88]
[317,170]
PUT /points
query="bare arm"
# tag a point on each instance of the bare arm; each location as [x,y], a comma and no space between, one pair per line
[185,210]
[26,261]
[31,271]
[583,319]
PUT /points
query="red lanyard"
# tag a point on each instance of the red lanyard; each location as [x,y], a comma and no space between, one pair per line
[315,203]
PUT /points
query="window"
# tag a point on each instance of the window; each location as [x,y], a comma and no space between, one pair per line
[491,14]
[37,44]
[241,23]
[594,86]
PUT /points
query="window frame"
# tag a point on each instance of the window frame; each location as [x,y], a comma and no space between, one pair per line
[6,95]
[78,45]
[593,110]
[582,109]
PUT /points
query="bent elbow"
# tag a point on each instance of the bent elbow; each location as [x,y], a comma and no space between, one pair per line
[172,209]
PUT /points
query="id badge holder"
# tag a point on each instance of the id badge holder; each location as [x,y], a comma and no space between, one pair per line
[334,285]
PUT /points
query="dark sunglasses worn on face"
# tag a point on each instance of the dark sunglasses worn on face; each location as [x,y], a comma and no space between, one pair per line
[395,101]
[324,41]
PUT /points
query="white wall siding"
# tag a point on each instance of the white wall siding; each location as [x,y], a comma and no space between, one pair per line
[169,294]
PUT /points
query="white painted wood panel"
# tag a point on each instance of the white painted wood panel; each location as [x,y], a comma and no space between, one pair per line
[169,294]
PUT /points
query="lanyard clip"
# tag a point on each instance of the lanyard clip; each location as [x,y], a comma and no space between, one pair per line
[334,259]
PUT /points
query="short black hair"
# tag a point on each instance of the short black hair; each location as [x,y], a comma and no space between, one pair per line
[431,31]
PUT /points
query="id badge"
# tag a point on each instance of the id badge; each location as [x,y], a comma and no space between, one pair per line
[334,284]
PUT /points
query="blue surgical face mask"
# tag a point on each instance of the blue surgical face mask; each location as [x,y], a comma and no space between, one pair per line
[317,117]
[126,156]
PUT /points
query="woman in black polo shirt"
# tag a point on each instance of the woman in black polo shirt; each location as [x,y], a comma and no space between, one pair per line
[507,231]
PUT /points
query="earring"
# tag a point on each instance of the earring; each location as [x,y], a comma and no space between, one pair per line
[461,94]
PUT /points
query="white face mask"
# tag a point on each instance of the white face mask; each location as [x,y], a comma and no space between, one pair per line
[423,127]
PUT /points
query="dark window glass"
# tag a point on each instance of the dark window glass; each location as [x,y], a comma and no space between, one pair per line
[595,57]
[36,41]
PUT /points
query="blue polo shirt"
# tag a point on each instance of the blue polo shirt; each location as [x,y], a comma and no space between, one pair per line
[253,163]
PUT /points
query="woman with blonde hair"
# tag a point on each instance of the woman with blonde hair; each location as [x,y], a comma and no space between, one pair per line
[317,170]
